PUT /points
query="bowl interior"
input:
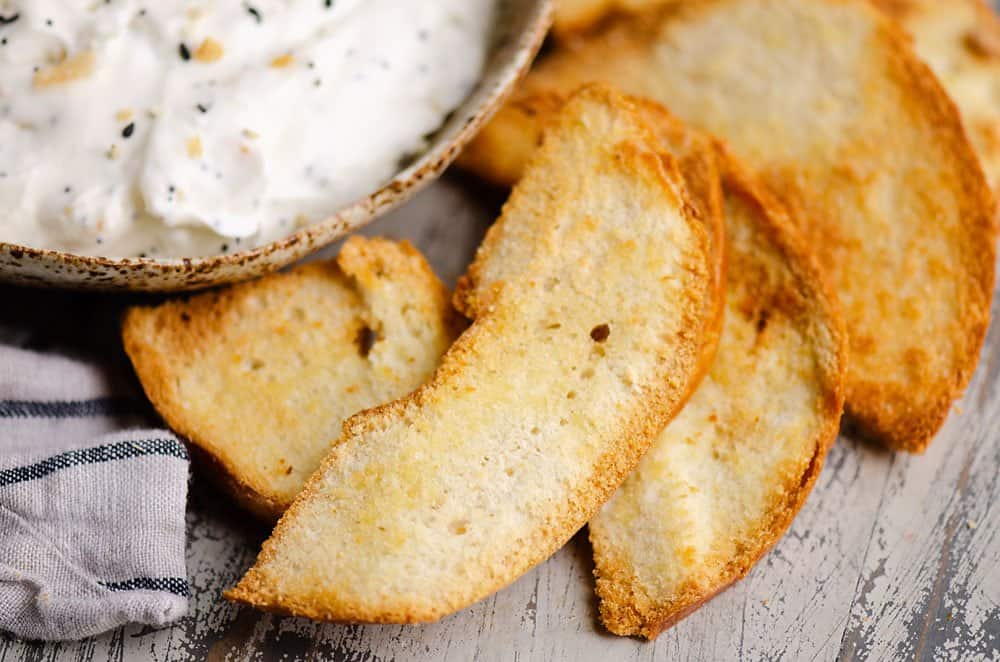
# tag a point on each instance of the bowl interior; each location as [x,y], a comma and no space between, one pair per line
[520,27]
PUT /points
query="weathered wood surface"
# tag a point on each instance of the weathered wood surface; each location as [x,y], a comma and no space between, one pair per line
[893,557]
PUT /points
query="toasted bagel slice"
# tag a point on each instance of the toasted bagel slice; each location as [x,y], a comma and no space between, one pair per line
[825,100]
[537,413]
[727,475]
[509,247]
[260,376]
[960,40]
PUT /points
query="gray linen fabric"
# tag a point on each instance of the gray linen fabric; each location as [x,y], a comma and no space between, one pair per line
[92,529]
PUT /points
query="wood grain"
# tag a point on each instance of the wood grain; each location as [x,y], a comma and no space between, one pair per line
[893,557]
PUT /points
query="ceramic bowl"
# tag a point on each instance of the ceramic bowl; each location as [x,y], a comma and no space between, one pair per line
[520,29]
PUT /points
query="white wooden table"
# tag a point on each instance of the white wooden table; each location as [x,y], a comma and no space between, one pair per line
[893,557]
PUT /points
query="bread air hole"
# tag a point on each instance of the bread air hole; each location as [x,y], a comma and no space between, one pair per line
[600,332]
[762,319]
[365,340]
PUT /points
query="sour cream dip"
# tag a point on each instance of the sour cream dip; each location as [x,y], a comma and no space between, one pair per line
[184,128]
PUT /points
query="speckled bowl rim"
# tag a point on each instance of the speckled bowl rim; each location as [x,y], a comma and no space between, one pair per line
[510,59]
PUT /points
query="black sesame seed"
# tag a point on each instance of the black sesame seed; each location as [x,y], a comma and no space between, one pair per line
[128,130]
[202,107]
[328,3]
[184,52]
[256,14]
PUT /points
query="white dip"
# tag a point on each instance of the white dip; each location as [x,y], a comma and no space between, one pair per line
[180,128]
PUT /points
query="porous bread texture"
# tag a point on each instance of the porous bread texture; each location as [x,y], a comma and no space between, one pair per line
[260,376]
[827,103]
[435,501]
[509,247]
[960,41]
[726,477]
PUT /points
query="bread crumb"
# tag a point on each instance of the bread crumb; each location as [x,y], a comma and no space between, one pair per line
[77,67]
[209,51]
[194,148]
[282,61]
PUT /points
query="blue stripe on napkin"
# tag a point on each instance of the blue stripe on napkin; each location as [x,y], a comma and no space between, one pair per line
[174,585]
[110,406]
[107,453]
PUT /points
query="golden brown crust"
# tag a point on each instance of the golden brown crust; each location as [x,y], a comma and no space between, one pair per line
[485,371]
[500,152]
[909,241]
[696,158]
[151,363]
[575,17]
[888,411]
[169,343]
[629,608]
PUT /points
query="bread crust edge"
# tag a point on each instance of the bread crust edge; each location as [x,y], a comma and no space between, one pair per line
[618,460]
[786,239]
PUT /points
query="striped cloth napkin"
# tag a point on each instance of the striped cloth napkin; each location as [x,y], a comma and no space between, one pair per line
[92,505]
